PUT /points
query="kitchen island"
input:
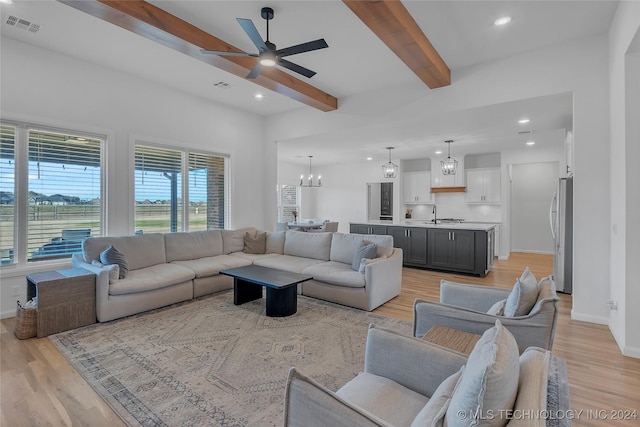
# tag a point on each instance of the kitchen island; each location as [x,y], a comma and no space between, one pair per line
[456,247]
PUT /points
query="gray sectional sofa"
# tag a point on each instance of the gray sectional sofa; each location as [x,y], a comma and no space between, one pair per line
[173,267]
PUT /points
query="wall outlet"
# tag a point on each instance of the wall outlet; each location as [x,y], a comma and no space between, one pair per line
[612,305]
[16,291]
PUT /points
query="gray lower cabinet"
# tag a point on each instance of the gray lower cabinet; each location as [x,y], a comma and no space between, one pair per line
[413,242]
[458,250]
[368,229]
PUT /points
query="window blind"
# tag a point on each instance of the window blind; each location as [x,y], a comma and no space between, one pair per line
[64,193]
[158,189]
[207,192]
[7,194]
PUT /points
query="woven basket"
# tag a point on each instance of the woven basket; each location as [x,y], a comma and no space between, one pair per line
[26,322]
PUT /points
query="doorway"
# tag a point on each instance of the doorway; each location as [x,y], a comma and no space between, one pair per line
[532,187]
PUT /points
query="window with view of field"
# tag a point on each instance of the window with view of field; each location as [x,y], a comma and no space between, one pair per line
[62,197]
[161,201]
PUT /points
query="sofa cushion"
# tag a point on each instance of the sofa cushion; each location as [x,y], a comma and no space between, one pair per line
[432,415]
[395,404]
[523,296]
[308,245]
[489,381]
[255,244]
[140,251]
[233,240]
[344,246]
[151,278]
[251,257]
[365,251]
[211,266]
[193,245]
[111,255]
[336,273]
[275,242]
[293,264]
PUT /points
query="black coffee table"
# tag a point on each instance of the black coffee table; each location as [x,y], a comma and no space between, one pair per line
[281,286]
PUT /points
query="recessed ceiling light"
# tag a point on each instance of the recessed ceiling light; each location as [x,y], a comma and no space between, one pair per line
[369,158]
[259,96]
[531,143]
[523,121]
[439,152]
[502,21]
[6,1]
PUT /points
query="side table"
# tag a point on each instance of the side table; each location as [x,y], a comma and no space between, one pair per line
[66,299]
[453,339]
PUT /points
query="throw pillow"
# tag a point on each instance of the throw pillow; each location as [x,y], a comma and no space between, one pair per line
[110,255]
[432,415]
[497,309]
[255,245]
[363,264]
[489,382]
[523,296]
[364,251]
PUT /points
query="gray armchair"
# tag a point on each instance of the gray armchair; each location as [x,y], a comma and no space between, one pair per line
[411,382]
[464,307]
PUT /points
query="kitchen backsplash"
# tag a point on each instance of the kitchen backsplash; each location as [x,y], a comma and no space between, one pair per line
[454,205]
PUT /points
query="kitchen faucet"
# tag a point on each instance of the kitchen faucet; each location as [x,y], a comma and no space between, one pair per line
[435,217]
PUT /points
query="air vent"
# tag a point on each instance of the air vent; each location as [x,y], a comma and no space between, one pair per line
[222,85]
[23,24]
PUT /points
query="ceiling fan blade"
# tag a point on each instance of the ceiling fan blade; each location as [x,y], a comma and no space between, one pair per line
[255,71]
[297,68]
[252,32]
[225,53]
[301,48]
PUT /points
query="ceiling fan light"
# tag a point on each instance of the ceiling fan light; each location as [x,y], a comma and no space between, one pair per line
[268,61]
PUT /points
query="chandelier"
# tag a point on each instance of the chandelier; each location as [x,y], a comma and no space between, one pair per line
[309,182]
[389,170]
[449,165]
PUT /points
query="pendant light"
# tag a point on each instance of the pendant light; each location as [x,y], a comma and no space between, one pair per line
[390,170]
[449,165]
[309,182]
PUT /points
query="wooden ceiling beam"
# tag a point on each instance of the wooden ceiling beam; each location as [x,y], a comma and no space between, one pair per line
[395,26]
[155,24]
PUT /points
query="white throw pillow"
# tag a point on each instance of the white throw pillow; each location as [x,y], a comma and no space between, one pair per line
[432,415]
[523,296]
[497,309]
[113,269]
[489,382]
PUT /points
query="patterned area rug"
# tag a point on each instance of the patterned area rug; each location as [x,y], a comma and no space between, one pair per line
[207,362]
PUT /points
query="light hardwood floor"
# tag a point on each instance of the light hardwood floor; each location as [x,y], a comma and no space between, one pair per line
[39,387]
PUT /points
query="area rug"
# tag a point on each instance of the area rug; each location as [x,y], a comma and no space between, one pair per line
[207,362]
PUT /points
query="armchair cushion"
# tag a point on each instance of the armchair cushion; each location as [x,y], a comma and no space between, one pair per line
[489,381]
[523,296]
[384,398]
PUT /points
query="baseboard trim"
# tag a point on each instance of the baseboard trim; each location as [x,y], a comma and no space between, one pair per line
[8,314]
[601,320]
[631,352]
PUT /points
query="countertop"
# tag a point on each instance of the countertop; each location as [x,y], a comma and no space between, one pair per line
[422,223]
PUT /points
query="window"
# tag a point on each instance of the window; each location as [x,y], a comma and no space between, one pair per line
[54,178]
[288,202]
[64,193]
[7,191]
[161,204]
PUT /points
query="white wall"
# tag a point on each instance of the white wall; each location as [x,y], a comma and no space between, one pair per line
[47,88]
[624,69]
[579,67]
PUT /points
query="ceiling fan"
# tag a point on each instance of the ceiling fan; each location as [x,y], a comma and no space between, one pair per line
[267,53]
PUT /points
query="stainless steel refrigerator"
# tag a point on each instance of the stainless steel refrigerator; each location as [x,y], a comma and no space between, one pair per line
[561,221]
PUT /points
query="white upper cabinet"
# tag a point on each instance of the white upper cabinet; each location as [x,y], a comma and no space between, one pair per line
[483,185]
[416,188]
[440,180]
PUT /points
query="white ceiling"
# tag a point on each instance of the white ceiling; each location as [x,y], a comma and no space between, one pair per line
[356,62]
